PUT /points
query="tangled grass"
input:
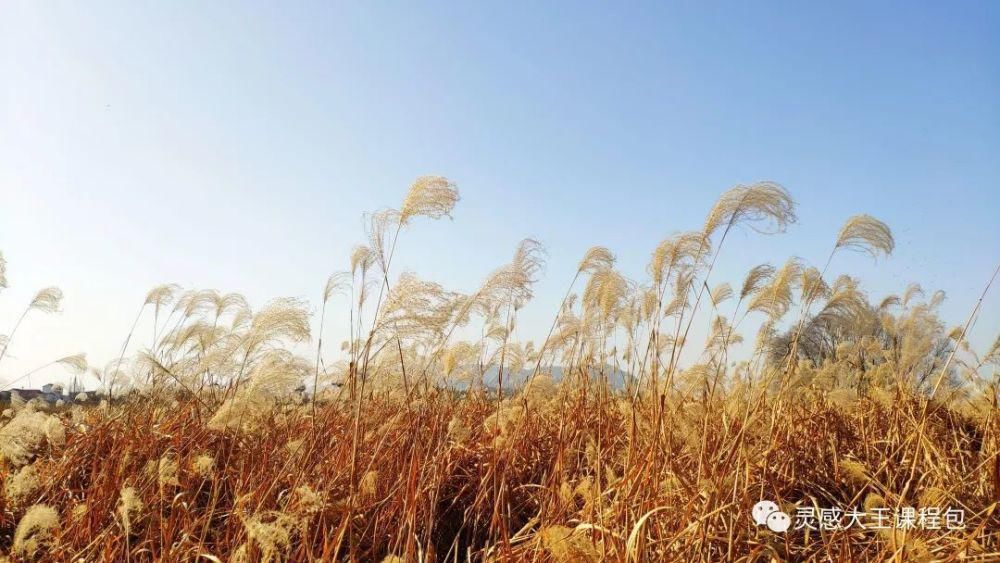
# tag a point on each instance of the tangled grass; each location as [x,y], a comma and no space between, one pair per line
[219,442]
[578,475]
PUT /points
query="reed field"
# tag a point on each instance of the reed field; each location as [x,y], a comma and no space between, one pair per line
[234,433]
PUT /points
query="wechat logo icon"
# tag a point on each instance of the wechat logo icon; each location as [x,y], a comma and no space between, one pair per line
[766,513]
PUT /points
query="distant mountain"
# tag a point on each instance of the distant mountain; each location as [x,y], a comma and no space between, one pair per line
[617,377]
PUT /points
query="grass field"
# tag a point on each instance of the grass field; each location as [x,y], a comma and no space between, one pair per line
[208,448]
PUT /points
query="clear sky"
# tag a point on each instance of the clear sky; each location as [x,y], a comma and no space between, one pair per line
[235,145]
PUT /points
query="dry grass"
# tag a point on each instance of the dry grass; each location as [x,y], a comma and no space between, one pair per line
[411,452]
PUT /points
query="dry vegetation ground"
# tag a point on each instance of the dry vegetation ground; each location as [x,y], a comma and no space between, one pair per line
[209,453]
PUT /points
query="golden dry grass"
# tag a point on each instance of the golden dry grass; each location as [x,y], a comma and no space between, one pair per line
[410,451]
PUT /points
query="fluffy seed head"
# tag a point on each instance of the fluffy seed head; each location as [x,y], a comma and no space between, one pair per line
[308,500]
[272,533]
[675,252]
[596,258]
[161,295]
[854,471]
[284,318]
[47,300]
[21,487]
[756,277]
[77,363]
[55,432]
[24,437]
[361,258]
[336,283]
[35,531]
[368,484]
[566,545]
[765,206]
[203,466]
[865,233]
[166,471]
[429,196]
[130,509]
[721,293]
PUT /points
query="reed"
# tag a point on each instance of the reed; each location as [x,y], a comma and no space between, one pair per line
[222,443]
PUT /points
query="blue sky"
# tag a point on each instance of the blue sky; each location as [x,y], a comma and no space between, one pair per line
[236,145]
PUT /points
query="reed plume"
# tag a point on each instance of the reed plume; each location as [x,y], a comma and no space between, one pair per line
[35,532]
[765,206]
[429,196]
[865,233]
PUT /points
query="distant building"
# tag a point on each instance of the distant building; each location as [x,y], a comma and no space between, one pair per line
[49,393]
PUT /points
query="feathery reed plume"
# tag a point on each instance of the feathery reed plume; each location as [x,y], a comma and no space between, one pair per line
[167,471]
[511,284]
[203,466]
[756,277]
[272,379]
[888,302]
[721,335]
[362,258]
[271,533]
[55,432]
[933,497]
[131,509]
[47,300]
[604,296]
[775,298]
[762,202]
[913,291]
[336,283]
[855,472]
[308,500]
[721,293]
[281,319]
[162,295]
[674,252]
[596,258]
[77,363]
[415,308]
[874,501]
[429,196]
[813,285]
[566,545]
[381,224]
[936,299]
[23,438]
[78,512]
[865,233]
[458,431]
[368,484]
[21,487]
[159,297]
[35,531]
